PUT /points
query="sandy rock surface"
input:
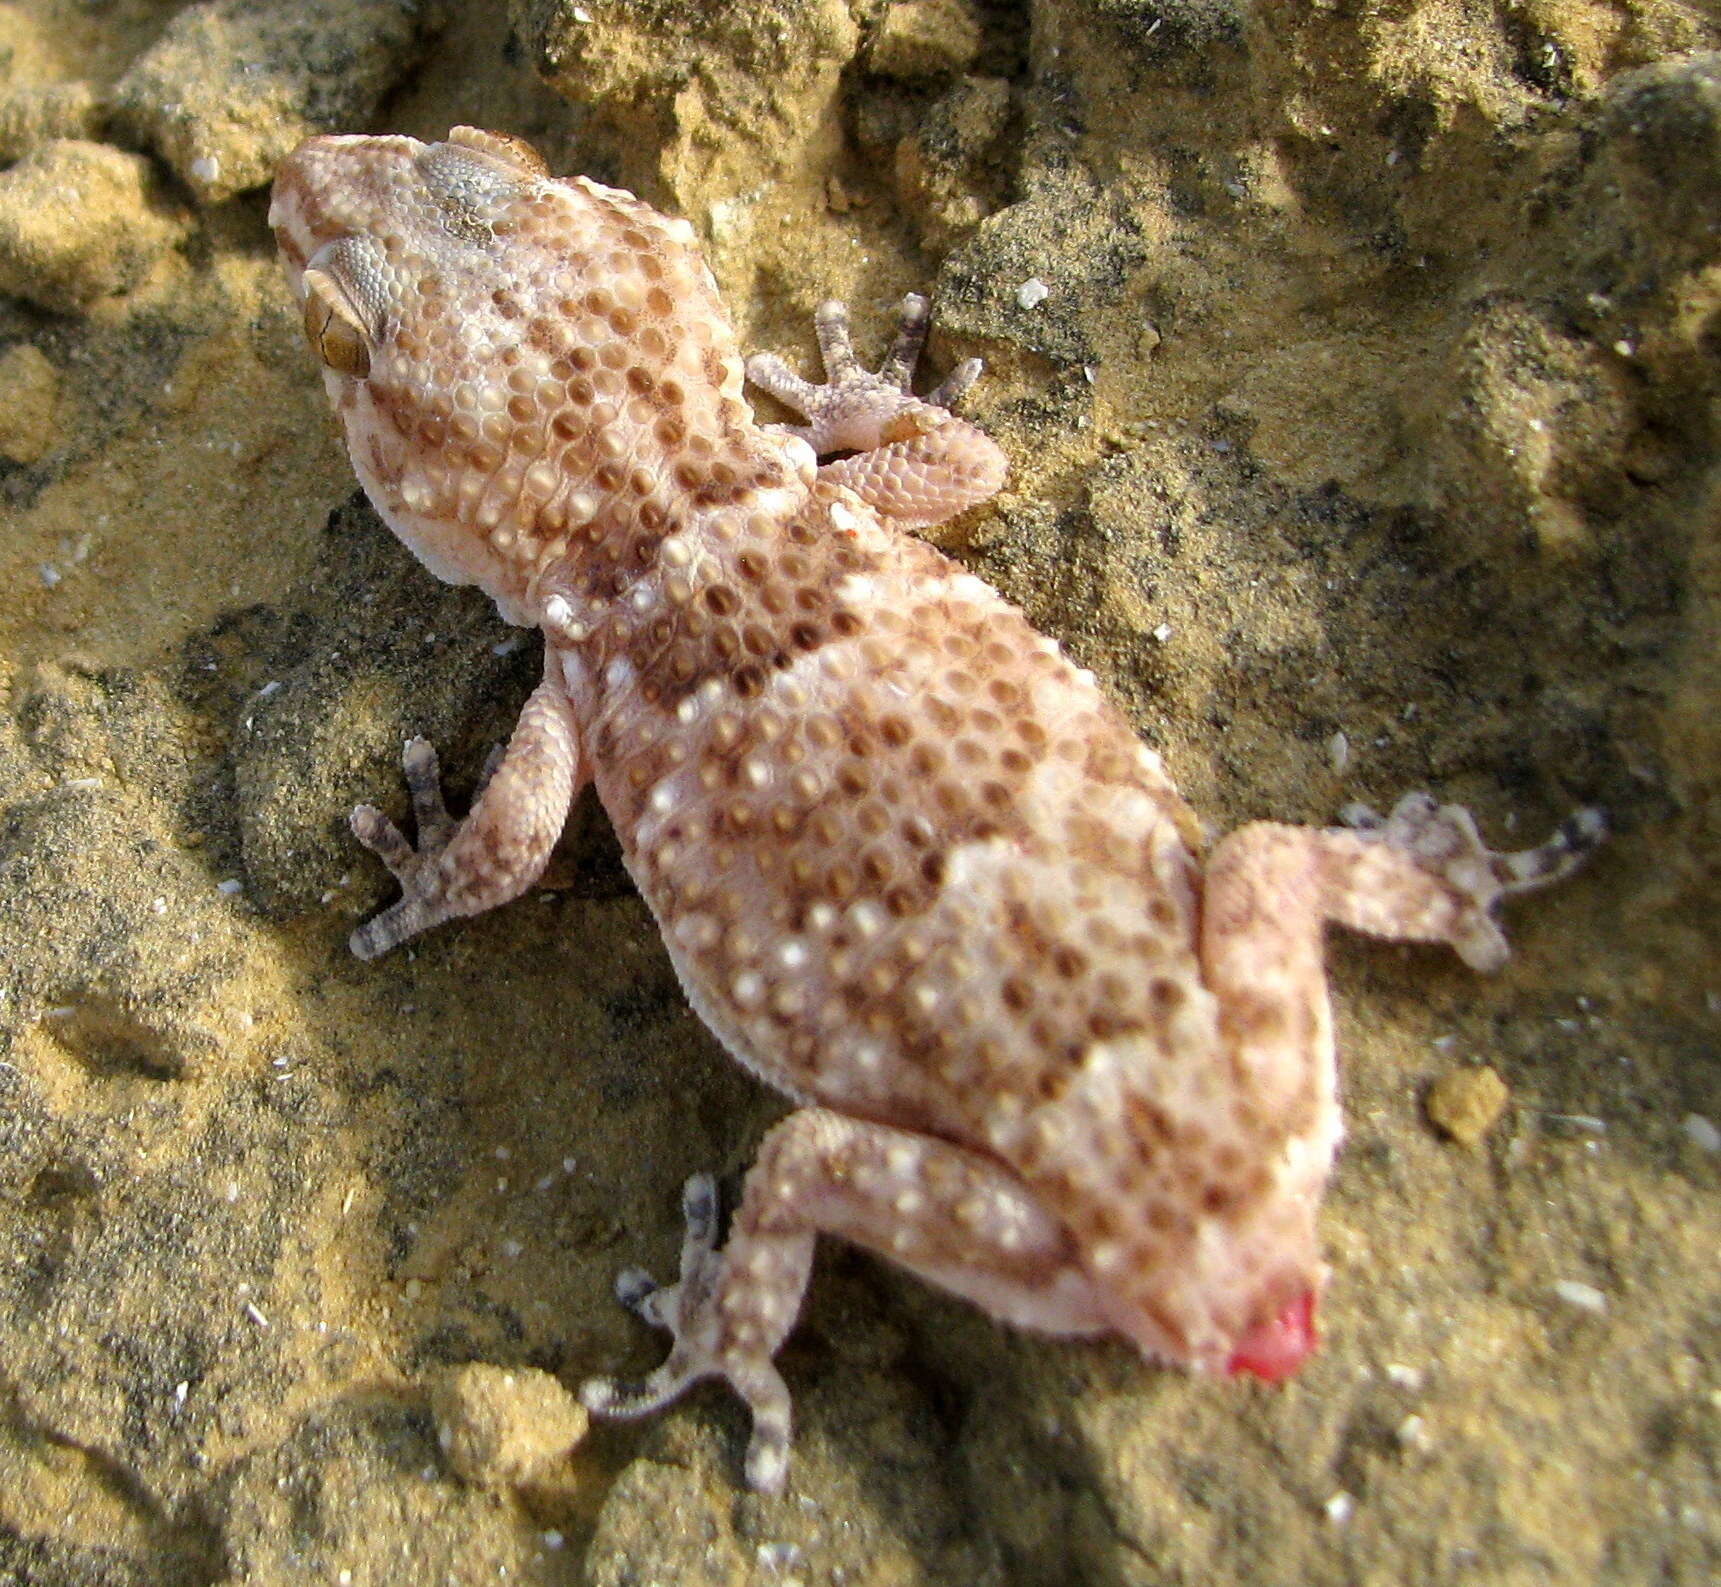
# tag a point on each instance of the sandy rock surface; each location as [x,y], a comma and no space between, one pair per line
[1360,370]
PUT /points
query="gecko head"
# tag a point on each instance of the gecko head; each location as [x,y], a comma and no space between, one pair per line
[373,231]
[511,356]
[391,247]
[532,373]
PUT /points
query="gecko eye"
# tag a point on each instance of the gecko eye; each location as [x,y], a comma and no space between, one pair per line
[332,326]
[515,153]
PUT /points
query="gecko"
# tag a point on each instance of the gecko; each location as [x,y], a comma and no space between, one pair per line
[1047,1047]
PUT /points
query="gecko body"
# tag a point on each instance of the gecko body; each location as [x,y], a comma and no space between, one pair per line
[911,865]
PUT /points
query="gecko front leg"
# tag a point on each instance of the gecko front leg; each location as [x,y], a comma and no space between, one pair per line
[911,459]
[503,845]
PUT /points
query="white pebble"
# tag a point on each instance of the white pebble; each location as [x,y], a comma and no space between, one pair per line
[1586,1297]
[1032,293]
[1340,1508]
[778,1556]
[1702,1133]
[230,888]
[1339,752]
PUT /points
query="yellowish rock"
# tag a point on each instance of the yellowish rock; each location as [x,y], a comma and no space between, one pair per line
[34,114]
[502,1427]
[925,38]
[29,403]
[231,86]
[79,221]
[1464,1104]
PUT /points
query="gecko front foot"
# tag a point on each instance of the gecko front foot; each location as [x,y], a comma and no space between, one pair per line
[423,901]
[503,845]
[419,870]
[855,409]
[709,1341]
[1443,841]
[907,457]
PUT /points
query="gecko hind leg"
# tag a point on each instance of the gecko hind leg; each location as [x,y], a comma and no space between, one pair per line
[689,1310]
[949,1214]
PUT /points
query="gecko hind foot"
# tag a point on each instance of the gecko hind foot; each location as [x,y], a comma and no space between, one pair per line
[1443,840]
[704,1345]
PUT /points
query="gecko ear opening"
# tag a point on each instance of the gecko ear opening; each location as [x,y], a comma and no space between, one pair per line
[333,327]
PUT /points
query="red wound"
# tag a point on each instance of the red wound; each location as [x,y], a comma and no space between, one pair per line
[1273,1350]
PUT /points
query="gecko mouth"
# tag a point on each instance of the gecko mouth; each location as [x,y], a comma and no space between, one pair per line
[1274,1349]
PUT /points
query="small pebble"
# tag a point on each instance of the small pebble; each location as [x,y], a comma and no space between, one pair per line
[1412,1433]
[1464,1104]
[501,1427]
[1032,293]
[1701,1132]
[1586,1297]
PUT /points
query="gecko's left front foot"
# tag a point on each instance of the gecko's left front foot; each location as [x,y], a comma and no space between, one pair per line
[909,457]
[499,850]
[423,902]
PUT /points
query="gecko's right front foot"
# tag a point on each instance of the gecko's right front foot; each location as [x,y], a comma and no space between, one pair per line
[907,457]
[424,895]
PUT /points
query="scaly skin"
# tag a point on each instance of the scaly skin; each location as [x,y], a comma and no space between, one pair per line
[911,865]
